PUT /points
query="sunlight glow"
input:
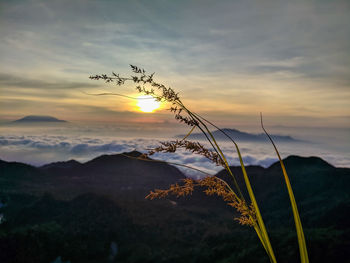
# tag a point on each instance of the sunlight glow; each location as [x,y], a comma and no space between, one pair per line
[147,103]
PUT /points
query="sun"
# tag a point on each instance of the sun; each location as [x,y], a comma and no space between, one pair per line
[147,103]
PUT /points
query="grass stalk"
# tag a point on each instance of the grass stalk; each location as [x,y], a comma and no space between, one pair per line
[260,227]
[189,133]
[216,147]
[300,233]
[261,230]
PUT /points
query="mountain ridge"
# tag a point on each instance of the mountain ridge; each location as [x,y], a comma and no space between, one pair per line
[109,158]
[93,204]
[107,174]
[113,174]
[240,136]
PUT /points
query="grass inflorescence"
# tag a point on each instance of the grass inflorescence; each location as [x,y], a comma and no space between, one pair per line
[249,211]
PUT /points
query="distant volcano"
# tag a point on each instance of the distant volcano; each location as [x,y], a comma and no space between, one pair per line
[36,118]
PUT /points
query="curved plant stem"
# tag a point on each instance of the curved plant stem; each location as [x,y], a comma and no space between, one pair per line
[160,161]
[189,133]
[114,94]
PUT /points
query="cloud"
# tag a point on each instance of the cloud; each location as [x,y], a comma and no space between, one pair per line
[74,146]
[42,149]
[283,56]
[85,148]
[224,37]
[18,81]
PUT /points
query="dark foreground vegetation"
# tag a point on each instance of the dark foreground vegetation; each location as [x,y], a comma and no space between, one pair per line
[96,212]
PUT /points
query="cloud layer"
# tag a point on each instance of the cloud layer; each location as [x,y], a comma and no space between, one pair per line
[42,149]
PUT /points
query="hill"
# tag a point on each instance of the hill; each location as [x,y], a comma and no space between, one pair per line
[116,175]
[96,212]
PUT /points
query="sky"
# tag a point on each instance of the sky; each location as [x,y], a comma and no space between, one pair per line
[229,60]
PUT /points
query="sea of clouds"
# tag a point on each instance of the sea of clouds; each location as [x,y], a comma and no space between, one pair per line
[40,149]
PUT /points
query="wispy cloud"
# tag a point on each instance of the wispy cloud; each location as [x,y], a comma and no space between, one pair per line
[11,80]
[42,149]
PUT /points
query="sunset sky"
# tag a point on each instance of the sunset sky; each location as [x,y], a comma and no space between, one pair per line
[229,60]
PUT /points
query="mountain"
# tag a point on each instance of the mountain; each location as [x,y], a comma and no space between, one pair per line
[122,176]
[36,118]
[124,173]
[61,165]
[240,136]
[317,185]
[96,212]
[116,175]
